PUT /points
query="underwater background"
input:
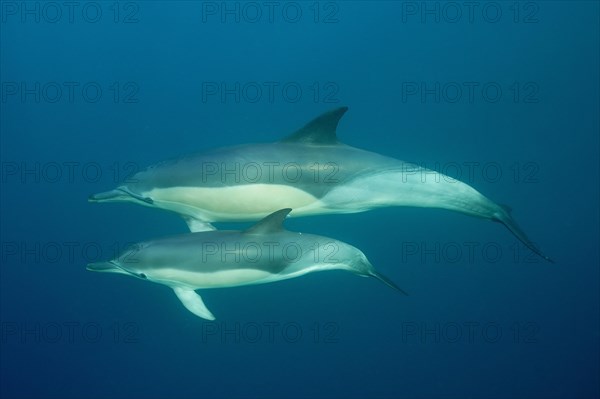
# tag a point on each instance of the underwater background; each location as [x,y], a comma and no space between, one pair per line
[502,95]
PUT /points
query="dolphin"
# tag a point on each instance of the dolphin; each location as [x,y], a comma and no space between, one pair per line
[263,253]
[310,171]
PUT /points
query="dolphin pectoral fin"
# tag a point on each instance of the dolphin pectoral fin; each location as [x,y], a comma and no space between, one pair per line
[387,281]
[193,302]
[196,225]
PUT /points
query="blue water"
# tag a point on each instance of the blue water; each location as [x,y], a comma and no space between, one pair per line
[504,96]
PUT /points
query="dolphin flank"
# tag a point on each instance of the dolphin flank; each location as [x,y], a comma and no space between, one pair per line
[263,253]
[310,171]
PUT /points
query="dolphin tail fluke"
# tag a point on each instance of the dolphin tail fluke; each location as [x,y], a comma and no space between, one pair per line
[386,281]
[506,219]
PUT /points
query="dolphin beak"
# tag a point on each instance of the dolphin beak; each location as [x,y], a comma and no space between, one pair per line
[112,195]
[119,194]
[107,267]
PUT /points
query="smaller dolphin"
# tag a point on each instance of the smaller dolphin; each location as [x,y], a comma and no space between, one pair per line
[263,253]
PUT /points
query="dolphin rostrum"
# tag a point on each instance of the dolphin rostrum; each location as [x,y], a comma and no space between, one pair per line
[263,253]
[309,171]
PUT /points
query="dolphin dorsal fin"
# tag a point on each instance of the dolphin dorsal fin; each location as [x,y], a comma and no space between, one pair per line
[270,224]
[320,130]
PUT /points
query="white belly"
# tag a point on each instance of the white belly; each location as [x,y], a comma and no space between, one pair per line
[217,279]
[244,202]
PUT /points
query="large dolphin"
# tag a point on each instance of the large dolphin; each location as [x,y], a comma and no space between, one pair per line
[264,253]
[309,171]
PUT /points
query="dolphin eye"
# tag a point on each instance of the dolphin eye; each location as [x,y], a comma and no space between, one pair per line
[142,275]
